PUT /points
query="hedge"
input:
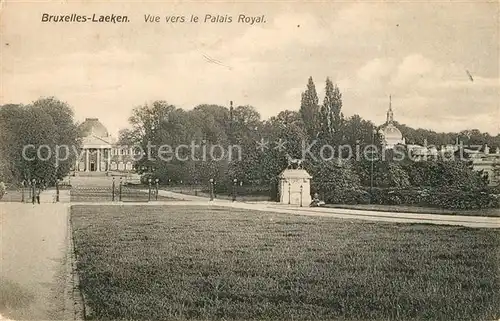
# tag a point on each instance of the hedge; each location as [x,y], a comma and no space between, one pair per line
[446,198]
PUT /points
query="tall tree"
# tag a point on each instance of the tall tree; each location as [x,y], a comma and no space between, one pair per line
[309,109]
[331,117]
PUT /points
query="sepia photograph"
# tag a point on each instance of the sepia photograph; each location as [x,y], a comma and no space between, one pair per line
[249,160]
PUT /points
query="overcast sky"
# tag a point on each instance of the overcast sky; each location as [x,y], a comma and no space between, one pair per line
[418,52]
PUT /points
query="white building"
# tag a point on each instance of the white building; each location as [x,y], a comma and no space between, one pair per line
[100,151]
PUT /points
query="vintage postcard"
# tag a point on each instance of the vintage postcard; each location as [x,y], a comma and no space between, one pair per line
[249,160]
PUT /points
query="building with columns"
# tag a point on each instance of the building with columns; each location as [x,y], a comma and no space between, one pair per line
[100,151]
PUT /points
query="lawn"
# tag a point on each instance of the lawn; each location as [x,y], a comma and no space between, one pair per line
[177,263]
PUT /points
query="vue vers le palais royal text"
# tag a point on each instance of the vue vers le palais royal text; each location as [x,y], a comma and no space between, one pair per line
[112,18]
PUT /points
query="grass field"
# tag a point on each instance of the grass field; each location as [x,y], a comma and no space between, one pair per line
[177,263]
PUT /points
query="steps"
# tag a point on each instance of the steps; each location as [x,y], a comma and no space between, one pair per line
[91,174]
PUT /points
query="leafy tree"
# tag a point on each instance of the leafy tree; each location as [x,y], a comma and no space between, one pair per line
[246,127]
[336,181]
[37,130]
[309,109]
[285,134]
[357,131]
[65,134]
[154,125]
[211,123]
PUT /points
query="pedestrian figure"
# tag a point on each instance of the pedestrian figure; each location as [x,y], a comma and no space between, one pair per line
[316,201]
[38,195]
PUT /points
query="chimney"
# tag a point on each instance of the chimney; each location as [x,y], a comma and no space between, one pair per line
[486,149]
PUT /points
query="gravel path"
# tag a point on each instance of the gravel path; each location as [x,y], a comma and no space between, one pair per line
[35,269]
[394,217]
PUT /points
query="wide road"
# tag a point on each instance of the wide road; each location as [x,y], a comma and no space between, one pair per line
[33,271]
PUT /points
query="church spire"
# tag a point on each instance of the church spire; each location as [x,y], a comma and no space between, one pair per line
[390,114]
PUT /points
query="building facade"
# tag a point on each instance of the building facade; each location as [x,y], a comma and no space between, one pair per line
[101,152]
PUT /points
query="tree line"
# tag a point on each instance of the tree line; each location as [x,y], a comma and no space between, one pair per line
[50,121]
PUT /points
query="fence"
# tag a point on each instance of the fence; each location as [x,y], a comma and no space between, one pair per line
[117,191]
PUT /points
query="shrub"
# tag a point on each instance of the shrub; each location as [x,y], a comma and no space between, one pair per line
[446,198]
[494,200]
[337,183]
[2,189]
[348,196]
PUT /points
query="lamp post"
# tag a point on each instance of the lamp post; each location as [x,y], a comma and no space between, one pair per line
[29,188]
[113,190]
[57,190]
[149,189]
[157,181]
[211,189]
[22,191]
[371,170]
[235,182]
[33,184]
[120,190]
[56,168]
[289,193]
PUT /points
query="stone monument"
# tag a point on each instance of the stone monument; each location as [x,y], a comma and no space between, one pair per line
[295,184]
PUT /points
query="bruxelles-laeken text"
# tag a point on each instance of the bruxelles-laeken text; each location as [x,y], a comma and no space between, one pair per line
[112,18]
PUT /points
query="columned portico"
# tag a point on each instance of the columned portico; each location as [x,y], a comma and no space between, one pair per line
[100,152]
[87,160]
[96,159]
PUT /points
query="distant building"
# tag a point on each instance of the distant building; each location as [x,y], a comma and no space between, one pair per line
[482,158]
[100,151]
[391,136]
[487,162]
